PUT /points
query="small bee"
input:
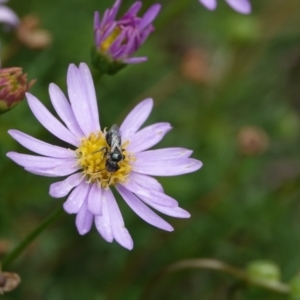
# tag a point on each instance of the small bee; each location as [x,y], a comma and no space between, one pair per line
[115,155]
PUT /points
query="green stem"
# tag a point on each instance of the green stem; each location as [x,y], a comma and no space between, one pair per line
[96,76]
[213,264]
[8,259]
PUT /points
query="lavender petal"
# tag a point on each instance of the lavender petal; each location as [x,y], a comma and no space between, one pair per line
[80,102]
[104,19]
[108,31]
[64,110]
[136,118]
[114,10]
[209,4]
[94,203]
[64,169]
[241,6]
[34,161]
[40,147]
[176,212]
[145,33]
[170,167]
[8,16]
[135,60]
[84,219]
[96,19]
[97,37]
[128,43]
[149,16]
[128,48]
[74,202]
[50,122]
[159,198]
[120,233]
[146,181]
[148,137]
[133,10]
[115,46]
[154,196]
[142,210]
[88,82]
[163,154]
[103,222]
[62,188]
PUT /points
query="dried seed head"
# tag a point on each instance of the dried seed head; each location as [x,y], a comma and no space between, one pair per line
[252,140]
[31,35]
[8,282]
[195,67]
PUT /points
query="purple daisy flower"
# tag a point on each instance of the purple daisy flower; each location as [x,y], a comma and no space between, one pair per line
[241,6]
[7,15]
[103,159]
[119,40]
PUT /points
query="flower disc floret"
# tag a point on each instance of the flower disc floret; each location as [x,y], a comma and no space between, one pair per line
[105,45]
[92,156]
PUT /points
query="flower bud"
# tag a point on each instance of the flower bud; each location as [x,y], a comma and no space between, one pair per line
[116,41]
[262,270]
[13,86]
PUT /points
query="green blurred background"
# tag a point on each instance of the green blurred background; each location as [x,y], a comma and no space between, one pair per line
[230,86]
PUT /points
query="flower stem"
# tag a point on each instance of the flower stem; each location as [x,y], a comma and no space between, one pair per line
[15,253]
[213,264]
[96,76]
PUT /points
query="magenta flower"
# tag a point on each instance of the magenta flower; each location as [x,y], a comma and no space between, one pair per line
[241,6]
[102,160]
[119,40]
[7,15]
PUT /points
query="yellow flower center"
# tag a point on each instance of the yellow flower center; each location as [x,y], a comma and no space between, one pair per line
[93,154]
[110,39]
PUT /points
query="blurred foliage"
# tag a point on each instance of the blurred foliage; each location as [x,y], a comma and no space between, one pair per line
[244,203]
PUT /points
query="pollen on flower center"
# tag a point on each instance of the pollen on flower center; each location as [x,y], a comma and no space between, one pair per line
[93,154]
[110,39]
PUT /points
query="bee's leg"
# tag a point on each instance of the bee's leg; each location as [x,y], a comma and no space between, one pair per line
[109,179]
[104,148]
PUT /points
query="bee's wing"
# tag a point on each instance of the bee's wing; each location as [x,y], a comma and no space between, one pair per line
[115,138]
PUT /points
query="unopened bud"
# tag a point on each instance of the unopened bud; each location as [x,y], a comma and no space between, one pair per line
[243,30]
[13,86]
[117,41]
[265,271]
[8,281]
